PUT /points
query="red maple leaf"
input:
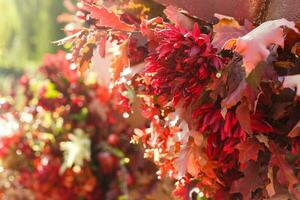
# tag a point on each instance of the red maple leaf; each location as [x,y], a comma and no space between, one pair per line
[285,173]
[243,115]
[248,150]
[254,46]
[178,18]
[106,18]
[250,182]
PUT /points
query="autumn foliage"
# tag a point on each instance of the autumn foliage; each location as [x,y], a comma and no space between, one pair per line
[220,99]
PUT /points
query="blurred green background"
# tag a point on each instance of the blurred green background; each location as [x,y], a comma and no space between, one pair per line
[26,31]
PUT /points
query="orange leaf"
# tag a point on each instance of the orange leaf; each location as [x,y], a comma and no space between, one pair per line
[120,61]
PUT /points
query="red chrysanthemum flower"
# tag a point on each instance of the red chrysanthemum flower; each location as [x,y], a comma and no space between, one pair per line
[225,133]
[183,62]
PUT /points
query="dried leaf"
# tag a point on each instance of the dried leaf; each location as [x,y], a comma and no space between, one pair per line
[263,139]
[286,172]
[106,18]
[233,98]
[84,65]
[178,18]
[254,45]
[120,61]
[243,115]
[83,50]
[270,187]
[188,161]
[228,28]
[248,150]
[250,182]
[84,59]
[250,87]
[264,71]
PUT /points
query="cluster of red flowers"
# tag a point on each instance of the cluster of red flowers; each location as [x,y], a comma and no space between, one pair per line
[72,141]
[182,63]
[219,120]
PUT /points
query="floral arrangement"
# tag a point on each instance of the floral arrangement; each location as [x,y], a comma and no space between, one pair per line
[221,99]
[70,141]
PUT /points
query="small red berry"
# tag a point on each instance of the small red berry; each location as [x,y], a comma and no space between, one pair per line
[113,139]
